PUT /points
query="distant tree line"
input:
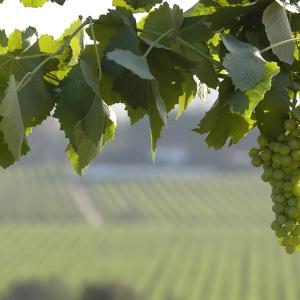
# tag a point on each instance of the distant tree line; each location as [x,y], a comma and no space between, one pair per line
[56,290]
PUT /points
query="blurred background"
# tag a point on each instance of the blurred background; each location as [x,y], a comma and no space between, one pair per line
[192,226]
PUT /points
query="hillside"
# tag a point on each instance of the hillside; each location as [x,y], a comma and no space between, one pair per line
[171,239]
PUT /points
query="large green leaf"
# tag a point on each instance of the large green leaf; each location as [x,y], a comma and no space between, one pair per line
[110,25]
[274,109]
[221,124]
[82,116]
[161,20]
[278,29]
[11,121]
[245,65]
[193,30]
[244,103]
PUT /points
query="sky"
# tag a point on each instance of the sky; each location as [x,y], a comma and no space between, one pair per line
[53,18]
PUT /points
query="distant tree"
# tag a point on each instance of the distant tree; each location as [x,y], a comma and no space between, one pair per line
[37,290]
[112,291]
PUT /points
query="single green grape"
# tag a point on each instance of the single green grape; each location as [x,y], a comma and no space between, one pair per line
[288,195]
[292,202]
[256,162]
[296,155]
[282,219]
[287,186]
[287,241]
[296,132]
[293,212]
[294,144]
[290,249]
[279,199]
[265,177]
[278,208]
[278,174]
[281,232]
[262,141]
[296,189]
[296,230]
[266,155]
[276,226]
[290,125]
[279,184]
[253,152]
[295,241]
[286,160]
[290,225]
[284,150]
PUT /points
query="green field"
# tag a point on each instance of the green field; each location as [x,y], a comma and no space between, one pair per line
[170,239]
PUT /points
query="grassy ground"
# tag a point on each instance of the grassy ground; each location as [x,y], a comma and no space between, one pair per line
[172,239]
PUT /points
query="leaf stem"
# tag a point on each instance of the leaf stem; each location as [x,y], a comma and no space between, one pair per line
[279,44]
[149,31]
[28,77]
[31,56]
[96,48]
[200,53]
[161,37]
[186,44]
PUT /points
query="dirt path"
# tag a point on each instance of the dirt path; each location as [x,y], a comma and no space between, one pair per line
[84,203]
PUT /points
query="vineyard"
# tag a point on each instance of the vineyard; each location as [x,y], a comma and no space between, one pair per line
[170,239]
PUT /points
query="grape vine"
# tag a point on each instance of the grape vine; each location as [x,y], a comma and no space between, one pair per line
[248,50]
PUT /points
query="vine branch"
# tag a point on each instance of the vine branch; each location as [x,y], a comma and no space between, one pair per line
[28,77]
[96,48]
[279,44]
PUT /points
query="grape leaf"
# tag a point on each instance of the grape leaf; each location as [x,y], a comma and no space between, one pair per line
[137,64]
[60,65]
[168,69]
[278,29]
[35,100]
[11,122]
[190,92]
[221,14]
[221,123]
[157,115]
[195,30]
[142,97]
[39,3]
[137,6]
[244,63]
[124,39]
[81,115]
[86,150]
[203,69]
[110,25]
[162,20]
[192,30]
[274,109]
[33,3]
[245,102]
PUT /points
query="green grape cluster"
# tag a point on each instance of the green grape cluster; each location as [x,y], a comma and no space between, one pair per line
[280,160]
